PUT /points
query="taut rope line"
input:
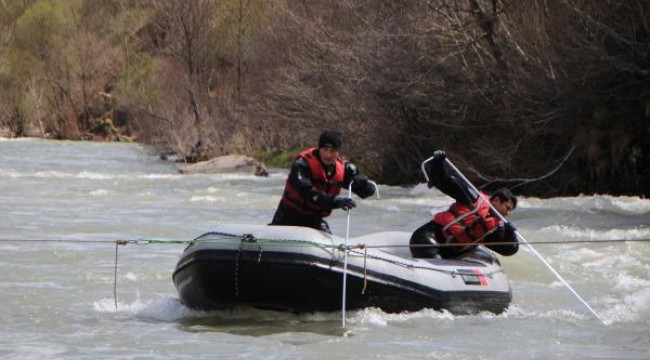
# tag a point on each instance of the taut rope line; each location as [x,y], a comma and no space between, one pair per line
[175,242]
[284,243]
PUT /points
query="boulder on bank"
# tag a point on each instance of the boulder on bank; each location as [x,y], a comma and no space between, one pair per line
[226,164]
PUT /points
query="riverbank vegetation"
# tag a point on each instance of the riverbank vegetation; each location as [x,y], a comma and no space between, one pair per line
[550,97]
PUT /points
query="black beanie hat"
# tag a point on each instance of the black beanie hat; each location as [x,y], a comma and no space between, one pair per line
[331,139]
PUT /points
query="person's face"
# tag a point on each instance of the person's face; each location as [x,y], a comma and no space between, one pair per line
[503,207]
[328,155]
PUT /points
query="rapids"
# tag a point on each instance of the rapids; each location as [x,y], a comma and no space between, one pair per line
[65,203]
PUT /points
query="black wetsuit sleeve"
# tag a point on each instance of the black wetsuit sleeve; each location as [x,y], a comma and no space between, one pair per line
[443,178]
[360,183]
[501,235]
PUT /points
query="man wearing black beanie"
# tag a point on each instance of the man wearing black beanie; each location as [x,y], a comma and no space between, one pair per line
[330,139]
[314,183]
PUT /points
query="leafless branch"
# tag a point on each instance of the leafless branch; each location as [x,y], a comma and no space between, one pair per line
[522,181]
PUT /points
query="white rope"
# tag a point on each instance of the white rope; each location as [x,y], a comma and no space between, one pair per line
[345,261]
[345,256]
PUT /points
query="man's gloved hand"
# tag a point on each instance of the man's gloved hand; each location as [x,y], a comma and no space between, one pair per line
[439,155]
[344,203]
[510,231]
[351,169]
[362,186]
[434,166]
[360,179]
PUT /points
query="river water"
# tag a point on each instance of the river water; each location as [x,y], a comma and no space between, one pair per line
[64,203]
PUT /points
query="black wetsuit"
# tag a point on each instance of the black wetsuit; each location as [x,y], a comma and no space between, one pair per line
[300,177]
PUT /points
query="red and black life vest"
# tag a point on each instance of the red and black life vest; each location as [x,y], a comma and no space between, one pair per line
[467,224]
[330,186]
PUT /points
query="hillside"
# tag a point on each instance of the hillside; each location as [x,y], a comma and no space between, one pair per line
[548,97]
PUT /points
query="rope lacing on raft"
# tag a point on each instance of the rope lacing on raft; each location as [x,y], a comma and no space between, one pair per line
[355,249]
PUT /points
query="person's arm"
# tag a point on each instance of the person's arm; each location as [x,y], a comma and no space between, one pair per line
[503,234]
[360,184]
[442,177]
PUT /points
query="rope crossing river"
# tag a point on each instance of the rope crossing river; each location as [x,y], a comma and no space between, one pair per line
[171,241]
[123,242]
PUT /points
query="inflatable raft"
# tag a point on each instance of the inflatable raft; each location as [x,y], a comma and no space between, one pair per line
[300,269]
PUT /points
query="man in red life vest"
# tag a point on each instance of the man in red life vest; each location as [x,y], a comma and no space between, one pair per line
[314,183]
[467,221]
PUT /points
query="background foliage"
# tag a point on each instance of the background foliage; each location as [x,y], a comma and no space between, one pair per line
[550,97]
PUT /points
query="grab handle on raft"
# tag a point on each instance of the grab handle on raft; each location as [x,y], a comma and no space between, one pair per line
[519,236]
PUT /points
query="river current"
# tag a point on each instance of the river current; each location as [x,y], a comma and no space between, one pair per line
[63,204]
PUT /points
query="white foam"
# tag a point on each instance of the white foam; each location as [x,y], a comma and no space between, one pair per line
[107,305]
[165,309]
[131,276]
[208,199]
[627,283]
[563,315]
[422,189]
[614,261]
[633,307]
[10,173]
[19,139]
[94,176]
[89,175]
[392,208]
[622,205]
[160,176]
[576,232]
[52,174]
[377,317]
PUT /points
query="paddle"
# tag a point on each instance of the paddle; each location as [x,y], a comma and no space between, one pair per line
[519,236]
[345,257]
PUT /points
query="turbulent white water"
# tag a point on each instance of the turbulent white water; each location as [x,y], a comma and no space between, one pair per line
[58,295]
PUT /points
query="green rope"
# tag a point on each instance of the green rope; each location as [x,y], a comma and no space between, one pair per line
[300,243]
